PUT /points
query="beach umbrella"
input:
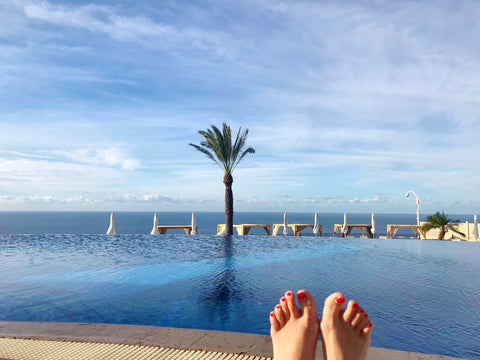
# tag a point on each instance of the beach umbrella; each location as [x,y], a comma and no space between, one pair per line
[344,227]
[373,225]
[475,227]
[316,226]
[194,224]
[111,229]
[285,224]
[155,226]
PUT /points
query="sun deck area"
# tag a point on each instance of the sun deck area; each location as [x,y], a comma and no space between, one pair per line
[393,228]
[365,229]
[188,228]
[297,228]
[243,229]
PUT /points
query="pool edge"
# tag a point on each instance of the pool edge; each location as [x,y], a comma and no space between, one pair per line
[230,342]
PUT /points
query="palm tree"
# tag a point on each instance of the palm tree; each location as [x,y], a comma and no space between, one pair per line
[219,148]
[442,222]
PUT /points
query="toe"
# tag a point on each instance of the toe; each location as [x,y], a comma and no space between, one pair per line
[358,317]
[350,311]
[292,305]
[308,307]
[307,302]
[274,325]
[364,321]
[368,329]
[332,307]
[279,315]
[284,305]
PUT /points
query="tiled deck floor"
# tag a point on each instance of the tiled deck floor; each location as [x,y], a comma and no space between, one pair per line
[26,349]
[65,341]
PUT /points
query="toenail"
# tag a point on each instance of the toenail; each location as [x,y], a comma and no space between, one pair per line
[278,307]
[340,299]
[271,314]
[361,311]
[283,299]
[302,295]
[289,293]
[355,305]
[366,315]
[370,325]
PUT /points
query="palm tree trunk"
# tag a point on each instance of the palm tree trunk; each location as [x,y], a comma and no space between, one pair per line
[228,180]
[441,235]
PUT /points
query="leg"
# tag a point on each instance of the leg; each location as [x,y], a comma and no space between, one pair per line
[294,329]
[345,333]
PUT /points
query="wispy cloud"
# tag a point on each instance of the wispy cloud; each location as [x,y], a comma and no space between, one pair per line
[108,157]
[98,201]
[138,29]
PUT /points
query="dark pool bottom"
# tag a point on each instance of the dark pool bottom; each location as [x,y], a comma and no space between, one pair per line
[421,295]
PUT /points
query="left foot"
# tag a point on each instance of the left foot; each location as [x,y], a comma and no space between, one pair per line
[294,329]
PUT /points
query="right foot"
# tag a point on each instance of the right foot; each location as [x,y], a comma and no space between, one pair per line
[294,330]
[345,333]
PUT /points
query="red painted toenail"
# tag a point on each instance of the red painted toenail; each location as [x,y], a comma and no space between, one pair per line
[370,325]
[278,307]
[366,315]
[355,305]
[340,299]
[361,311]
[271,314]
[302,295]
[283,299]
[289,293]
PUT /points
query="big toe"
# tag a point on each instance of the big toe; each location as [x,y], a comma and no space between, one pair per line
[307,302]
[332,307]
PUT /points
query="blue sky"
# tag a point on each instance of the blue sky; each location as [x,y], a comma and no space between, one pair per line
[348,104]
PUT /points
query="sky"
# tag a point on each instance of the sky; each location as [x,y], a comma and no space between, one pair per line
[349,104]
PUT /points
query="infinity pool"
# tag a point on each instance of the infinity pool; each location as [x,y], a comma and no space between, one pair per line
[422,295]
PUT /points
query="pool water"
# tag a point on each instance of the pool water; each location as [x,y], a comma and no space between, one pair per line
[422,296]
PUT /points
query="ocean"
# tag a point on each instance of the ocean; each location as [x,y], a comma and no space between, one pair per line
[142,222]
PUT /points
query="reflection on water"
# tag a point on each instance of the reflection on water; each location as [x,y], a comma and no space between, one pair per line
[220,293]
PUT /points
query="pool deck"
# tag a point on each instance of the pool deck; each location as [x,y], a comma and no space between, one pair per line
[36,340]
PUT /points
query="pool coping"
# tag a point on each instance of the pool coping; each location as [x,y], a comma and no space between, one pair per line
[221,341]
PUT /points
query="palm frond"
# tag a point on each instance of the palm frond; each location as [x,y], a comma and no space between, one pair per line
[429,226]
[440,220]
[454,227]
[248,151]
[204,150]
[217,145]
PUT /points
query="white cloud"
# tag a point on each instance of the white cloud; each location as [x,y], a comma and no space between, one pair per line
[97,18]
[30,175]
[46,200]
[69,174]
[107,157]
[138,29]
[376,64]
[99,199]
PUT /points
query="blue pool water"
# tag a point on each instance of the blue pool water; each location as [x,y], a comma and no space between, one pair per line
[422,295]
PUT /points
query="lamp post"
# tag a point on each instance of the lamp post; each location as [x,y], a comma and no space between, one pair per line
[418,204]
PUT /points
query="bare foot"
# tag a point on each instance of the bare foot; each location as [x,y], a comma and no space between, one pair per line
[294,329]
[345,332]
